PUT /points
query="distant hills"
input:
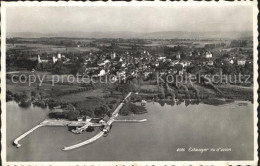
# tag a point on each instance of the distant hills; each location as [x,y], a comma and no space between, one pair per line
[143,35]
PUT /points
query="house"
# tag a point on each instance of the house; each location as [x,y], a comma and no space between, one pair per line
[208,55]
[173,71]
[43,59]
[156,64]
[113,55]
[102,72]
[54,59]
[80,118]
[185,63]
[181,72]
[162,58]
[241,62]
[59,56]
[210,63]
[173,63]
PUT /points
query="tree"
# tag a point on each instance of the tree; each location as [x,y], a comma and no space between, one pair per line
[33,93]
[226,56]
[73,115]
[228,68]
[162,93]
[178,67]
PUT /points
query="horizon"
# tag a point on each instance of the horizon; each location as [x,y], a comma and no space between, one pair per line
[89,19]
[135,31]
[137,35]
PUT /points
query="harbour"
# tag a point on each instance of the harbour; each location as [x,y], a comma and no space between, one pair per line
[81,126]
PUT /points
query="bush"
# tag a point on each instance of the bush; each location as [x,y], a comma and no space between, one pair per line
[132,108]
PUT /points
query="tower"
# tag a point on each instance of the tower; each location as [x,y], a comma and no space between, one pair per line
[178,56]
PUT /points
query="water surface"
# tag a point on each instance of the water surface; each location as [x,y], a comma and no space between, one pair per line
[168,128]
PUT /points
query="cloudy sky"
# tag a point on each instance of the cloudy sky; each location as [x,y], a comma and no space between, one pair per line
[136,19]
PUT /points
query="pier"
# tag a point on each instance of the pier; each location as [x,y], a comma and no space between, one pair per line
[48,122]
[105,129]
[16,141]
[82,126]
[96,137]
[130,121]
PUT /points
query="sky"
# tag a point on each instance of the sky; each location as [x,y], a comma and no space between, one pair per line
[46,19]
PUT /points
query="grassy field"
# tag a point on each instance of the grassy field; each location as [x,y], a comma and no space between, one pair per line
[42,48]
[81,96]
[46,89]
[237,92]
[149,87]
[205,91]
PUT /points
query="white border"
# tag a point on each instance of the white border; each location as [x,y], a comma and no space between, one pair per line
[134,3]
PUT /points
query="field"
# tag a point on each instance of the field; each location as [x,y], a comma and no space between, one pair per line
[237,92]
[149,87]
[45,89]
[42,48]
[81,96]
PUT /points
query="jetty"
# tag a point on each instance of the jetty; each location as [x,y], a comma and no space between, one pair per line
[16,141]
[96,137]
[82,126]
[105,130]
[130,121]
[49,122]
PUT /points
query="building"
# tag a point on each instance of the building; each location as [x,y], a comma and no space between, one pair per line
[210,63]
[102,72]
[208,55]
[162,58]
[59,56]
[178,56]
[185,63]
[54,59]
[113,55]
[241,62]
[156,64]
[43,60]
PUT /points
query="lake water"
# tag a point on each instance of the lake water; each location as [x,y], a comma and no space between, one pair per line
[167,129]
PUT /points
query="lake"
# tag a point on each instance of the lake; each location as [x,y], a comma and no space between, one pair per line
[167,128]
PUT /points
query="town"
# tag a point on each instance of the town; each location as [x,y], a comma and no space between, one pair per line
[138,62]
